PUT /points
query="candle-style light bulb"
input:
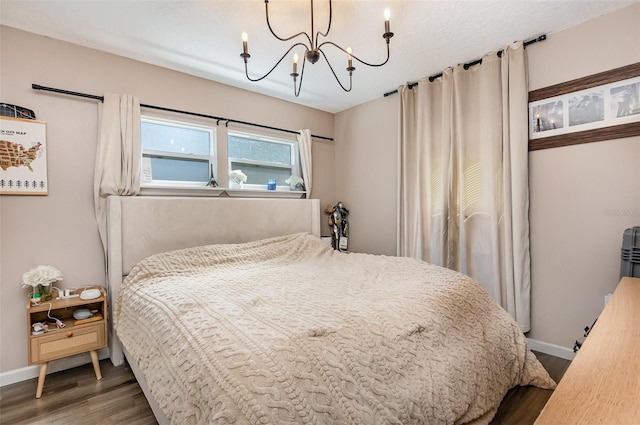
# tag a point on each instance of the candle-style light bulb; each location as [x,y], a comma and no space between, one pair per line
[350,67]
[245,39]
[295,64]
[387,15]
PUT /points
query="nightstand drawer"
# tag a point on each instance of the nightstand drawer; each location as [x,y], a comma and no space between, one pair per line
[65,343]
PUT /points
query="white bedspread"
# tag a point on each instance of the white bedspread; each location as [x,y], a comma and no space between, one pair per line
[289,331]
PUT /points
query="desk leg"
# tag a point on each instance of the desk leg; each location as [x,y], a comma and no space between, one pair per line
[41,377]
[96,364]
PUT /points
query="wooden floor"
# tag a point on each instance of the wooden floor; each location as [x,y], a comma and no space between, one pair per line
[75,397]
[522,405]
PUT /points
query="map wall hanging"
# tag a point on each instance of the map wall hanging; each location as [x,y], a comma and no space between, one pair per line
[23,157]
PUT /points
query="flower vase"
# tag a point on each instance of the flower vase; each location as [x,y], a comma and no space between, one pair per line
[45,292]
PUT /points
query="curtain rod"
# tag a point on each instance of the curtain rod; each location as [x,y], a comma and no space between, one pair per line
[469,64]
[161,108]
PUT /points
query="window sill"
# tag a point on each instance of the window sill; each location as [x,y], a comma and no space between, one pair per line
[257,193]
[218,191]
[181,191]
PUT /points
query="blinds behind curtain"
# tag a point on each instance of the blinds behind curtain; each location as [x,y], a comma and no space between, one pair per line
[464,176]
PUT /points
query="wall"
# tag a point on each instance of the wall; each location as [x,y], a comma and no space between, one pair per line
[367,174]
[582,197]
[60,229]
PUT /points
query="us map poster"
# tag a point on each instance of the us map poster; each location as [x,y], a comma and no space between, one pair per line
[23,157]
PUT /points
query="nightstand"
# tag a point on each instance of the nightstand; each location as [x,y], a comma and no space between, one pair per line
[76,337]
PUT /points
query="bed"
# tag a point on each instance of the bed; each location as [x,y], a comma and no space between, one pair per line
[260,322]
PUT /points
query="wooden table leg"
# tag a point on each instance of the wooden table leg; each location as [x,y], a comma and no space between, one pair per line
[41,377]
[96,364]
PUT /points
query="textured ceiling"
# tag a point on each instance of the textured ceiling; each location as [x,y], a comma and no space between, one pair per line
[202,38]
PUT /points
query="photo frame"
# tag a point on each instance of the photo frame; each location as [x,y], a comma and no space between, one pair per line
[599,107]
[23,157]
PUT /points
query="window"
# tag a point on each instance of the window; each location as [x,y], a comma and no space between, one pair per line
[262,158]
[179,157]
[176,154]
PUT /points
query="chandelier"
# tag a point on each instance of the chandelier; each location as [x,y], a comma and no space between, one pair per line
[312,51]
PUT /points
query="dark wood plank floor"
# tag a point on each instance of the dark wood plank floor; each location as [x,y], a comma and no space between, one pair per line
[522,405]
[74,397]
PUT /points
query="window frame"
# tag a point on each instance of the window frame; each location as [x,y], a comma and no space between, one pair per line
[221,162]
[294,168]
[212,158]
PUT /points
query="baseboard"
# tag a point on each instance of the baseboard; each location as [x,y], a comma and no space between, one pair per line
[552,349]
[30,372]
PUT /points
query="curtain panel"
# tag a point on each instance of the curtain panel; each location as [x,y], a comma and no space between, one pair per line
[463,195]
[304,145]
[118,153]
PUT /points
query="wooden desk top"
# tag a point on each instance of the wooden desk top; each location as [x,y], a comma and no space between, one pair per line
[602,384]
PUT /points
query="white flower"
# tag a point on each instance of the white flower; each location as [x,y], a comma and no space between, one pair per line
[294,180]
[237,177]
[41,275]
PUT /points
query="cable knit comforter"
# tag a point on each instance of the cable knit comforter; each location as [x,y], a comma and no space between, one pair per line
[288,331]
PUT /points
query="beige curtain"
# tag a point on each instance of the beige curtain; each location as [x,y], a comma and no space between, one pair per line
[464,198]
[117,167]
[304,145]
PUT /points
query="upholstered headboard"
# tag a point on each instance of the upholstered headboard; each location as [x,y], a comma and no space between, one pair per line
[140,226]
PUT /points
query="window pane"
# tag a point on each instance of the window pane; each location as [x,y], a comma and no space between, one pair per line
[179,170]
[259,150]
[259,174]
[169,138]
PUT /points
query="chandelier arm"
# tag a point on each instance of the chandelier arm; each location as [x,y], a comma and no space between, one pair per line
[355,57]
[296,92]
[246,70]
[266,8]
[334,73]
[324,34]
